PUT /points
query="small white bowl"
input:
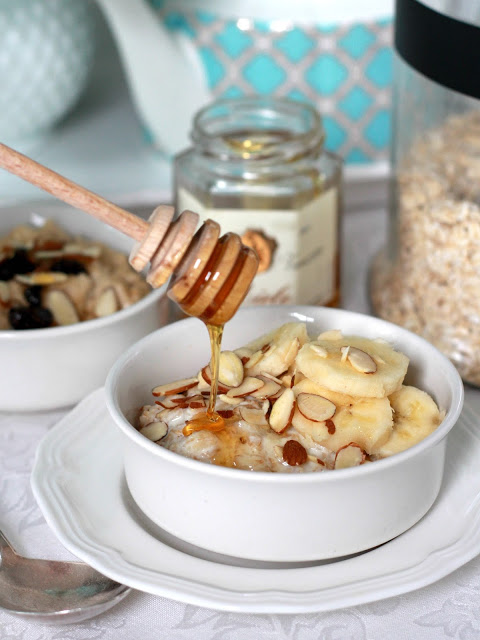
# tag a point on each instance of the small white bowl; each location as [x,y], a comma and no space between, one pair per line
[58,366]
[268,516]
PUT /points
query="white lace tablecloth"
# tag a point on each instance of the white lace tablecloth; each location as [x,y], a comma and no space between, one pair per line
[449,608]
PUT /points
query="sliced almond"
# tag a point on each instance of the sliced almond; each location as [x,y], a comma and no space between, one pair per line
[316,430]
[316,408]
[332,334]
[62,307]
[287,380]
[90,251]
[41,278]
[282,411]
[194,396]
[230,370]
[274,378]
[123,296]
[351,455]
[203,385]
[269,389]
[154,431]
[344,351]
[331,428]
[291,353]
[226,413]
[69,249]
[170,402]
[276,395]
[47,254]
[248,386]
[174,387]
[298,377]
[254,417]
[180,400]
[196,402]
[294,453]
[206,374]
[319,351]
[243,352]
[22,244]
[233,401]
[253,360]
[361,361]
[107,303]
[47,245]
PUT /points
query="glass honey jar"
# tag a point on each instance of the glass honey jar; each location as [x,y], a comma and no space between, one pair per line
[257,166]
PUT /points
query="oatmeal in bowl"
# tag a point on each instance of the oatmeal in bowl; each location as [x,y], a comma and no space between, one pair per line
[69,304]
[292,404]
[272,483]
[52,278]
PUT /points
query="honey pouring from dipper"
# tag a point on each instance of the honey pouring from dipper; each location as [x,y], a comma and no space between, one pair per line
[210,275]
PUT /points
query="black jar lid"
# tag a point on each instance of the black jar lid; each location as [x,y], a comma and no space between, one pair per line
[440,47]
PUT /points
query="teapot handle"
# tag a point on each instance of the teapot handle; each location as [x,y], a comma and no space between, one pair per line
[164,72]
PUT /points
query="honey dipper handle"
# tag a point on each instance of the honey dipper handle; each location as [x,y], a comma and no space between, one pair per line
[72,193]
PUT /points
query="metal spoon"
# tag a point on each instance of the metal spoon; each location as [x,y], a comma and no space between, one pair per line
[51,590]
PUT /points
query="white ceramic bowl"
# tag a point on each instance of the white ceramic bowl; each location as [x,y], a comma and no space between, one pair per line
[268,516]
[58,366]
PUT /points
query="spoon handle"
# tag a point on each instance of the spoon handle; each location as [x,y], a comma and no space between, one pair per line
[72,193]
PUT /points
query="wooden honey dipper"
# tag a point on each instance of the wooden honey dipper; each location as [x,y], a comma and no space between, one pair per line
[211,275]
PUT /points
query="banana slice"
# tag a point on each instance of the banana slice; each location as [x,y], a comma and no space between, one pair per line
[415,417]
[366,421]
[353,365]
[276,351]
[308,386]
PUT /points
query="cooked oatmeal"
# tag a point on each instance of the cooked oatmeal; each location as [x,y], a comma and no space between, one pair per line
[50,278]
[292,404]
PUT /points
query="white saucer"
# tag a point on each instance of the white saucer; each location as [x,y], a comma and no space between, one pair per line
[79,484]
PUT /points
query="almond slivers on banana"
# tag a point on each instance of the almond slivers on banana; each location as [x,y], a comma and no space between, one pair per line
[339,398]
[354,365]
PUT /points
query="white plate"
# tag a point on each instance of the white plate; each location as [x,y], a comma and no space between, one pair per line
[79,484]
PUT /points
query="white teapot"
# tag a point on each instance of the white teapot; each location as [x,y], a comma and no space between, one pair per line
[181,54]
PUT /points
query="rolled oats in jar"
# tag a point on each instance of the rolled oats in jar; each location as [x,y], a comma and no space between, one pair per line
[427,278]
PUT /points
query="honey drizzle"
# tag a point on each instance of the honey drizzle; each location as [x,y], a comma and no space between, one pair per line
[210,419]
[215,334]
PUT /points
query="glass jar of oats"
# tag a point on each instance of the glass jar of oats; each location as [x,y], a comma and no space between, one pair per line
[427,278]
[257,166]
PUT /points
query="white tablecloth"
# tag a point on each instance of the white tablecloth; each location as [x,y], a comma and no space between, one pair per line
[447,609]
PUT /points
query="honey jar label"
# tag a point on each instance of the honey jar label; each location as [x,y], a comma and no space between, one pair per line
[297,249]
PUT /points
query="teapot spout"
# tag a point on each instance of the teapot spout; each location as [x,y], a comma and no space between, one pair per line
[164,72]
